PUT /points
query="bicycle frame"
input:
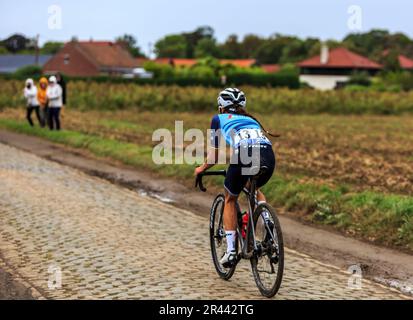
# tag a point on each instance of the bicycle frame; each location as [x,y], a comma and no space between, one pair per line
[251,194]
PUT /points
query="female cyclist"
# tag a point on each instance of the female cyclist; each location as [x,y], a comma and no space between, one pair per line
[244,135]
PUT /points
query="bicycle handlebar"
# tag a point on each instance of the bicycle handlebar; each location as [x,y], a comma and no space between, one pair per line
[198,180]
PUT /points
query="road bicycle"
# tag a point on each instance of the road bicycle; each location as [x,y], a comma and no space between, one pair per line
[261,242]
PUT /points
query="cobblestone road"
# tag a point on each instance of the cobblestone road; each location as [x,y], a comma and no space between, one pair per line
[111,243]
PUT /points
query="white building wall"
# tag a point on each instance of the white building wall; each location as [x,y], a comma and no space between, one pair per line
[323,82]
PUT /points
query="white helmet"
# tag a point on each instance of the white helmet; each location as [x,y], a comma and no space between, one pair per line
[230,97]
[52,79]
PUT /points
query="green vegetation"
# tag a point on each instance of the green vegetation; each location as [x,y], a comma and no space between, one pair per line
[51,47]
[281,49]
[88,95]
[131,44]
[29,72]
[383,218]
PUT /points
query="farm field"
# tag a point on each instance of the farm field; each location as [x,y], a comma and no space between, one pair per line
[352,173]
[92,95]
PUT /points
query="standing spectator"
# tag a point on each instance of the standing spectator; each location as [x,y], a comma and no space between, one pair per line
[42,98]
[30,93]
[62,83]
[54,95]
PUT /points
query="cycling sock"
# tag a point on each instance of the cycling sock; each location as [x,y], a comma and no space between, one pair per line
[230,240]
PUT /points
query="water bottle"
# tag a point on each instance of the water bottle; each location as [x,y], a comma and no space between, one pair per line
[245,218]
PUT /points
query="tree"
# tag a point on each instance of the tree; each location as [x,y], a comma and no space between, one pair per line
[29,71]
[3,50]
[207,48]
[131,44]
[250,45]
[231,48]
[193,38]
[171,46]
[294,51]
[390,60]
[272,49]
[51,47]
[17,43]
[373,43]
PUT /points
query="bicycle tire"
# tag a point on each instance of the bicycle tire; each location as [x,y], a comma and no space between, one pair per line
[216,217]
[270,291]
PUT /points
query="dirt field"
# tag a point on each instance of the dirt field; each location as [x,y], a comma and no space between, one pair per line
[364,152]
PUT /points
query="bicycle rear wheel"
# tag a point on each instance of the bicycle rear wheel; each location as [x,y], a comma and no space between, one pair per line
[268,264]
[218,238]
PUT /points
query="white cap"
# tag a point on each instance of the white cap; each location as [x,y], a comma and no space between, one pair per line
[29,81]
[52,79]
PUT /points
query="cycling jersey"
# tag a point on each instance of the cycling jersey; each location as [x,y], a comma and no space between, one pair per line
[238,130]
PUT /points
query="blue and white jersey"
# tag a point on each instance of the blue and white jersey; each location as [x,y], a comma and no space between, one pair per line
[237,130]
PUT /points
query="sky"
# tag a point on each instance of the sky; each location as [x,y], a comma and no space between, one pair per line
[150,20]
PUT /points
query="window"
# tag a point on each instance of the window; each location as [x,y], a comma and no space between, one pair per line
[66,59]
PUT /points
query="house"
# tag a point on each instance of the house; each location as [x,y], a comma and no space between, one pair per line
[240,63]
[271,68]
[405,63]
[177,62]
[141,61]
[92,58]
[10,63]
[333,68]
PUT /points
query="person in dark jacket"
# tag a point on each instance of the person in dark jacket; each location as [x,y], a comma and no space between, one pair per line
[61,81]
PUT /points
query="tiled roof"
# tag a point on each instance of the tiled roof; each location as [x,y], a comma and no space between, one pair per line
[242,63]
[177,61]
[405,63]
[271,68]
[107,54]
[341,58]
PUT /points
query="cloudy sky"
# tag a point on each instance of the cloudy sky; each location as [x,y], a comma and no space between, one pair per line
[149,20]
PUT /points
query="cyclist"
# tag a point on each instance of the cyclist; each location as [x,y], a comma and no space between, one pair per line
[244,135]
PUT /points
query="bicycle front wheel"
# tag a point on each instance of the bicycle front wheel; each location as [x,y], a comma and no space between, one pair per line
[217,237]
[268,263]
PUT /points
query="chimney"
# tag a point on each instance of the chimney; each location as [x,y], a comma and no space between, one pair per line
[324,56]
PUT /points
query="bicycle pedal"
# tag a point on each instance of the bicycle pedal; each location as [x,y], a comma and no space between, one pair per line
[231,264]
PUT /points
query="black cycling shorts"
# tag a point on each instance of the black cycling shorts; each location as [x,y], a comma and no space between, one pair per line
[236,179]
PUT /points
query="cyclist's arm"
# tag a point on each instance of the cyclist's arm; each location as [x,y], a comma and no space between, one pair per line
[210,160]
[213,153]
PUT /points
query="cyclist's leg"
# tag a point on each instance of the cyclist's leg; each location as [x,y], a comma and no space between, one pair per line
[230,211]
[234,182]
[261,197]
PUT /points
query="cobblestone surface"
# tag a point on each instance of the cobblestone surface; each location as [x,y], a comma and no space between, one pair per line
[111,243]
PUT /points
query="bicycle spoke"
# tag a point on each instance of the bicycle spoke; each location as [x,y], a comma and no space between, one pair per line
[268,266]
